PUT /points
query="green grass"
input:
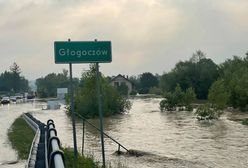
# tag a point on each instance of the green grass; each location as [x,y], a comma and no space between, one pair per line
[86,162]
[21,136]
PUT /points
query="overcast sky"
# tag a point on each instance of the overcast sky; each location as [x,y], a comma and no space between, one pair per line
[146,35]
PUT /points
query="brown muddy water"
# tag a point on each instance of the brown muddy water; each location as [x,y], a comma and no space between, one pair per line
[168,139]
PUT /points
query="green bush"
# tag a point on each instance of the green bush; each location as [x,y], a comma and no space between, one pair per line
[179,99]
[155,90]
[207,112]
[82,161]
[245,121]
[86,102]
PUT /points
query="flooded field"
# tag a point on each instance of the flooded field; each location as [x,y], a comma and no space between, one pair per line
[167,139]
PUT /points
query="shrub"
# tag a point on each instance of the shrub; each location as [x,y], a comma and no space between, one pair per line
[82,161]
[86,102]
[179,99]
[207,112]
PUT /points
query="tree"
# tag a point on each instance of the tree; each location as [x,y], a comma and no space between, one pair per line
[178,98]
[197,56]
[147,80]
[12,81]
[189,97]
[234,73]
[198,73]
[218,95]
[47,86]
[15,69]
[86,98]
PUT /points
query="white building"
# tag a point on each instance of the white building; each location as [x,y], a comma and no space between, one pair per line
[61,93]
[119,79]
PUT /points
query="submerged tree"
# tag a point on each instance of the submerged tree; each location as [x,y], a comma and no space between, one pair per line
[178,98]
[86,97]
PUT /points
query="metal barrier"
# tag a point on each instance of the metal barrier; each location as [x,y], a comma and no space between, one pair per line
[33,151]
[54,154]
[45,151]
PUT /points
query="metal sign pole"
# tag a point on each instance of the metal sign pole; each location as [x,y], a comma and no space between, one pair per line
[99,97]
[72,112]
[83,137]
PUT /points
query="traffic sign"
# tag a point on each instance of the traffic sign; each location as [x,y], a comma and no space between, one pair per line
[82,52]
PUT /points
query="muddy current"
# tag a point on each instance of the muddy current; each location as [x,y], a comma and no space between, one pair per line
[162,139]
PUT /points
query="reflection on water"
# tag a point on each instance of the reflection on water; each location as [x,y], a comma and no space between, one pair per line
[168,139]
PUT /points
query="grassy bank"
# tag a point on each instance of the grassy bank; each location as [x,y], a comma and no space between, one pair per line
[83,161]
[21,136]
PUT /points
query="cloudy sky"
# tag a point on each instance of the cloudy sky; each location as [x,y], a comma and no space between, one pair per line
[146,35]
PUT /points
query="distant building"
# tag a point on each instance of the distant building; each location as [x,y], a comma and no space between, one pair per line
[61,93]
[119,79]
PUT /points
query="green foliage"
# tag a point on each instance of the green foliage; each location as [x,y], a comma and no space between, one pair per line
[12,81]
[169,103]
[147,80]
[155,90]
[178,98]
[207,112]
[198,73]
[82,161]
[218,95]
[245,121]
[179,95]
[133,92]
[234,73]
[189,97]
[19,142]
[47,86]
[86,102]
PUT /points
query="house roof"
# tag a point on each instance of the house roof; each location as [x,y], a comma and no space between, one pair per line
[122,76]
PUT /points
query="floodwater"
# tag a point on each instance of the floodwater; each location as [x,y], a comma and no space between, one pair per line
[8,114]
[168,139]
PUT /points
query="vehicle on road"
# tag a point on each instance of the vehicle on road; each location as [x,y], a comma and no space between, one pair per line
[12,98]
[5,100]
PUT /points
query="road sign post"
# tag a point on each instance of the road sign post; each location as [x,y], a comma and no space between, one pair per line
[84,52]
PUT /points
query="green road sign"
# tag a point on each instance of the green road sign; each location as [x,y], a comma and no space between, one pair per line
[82,51]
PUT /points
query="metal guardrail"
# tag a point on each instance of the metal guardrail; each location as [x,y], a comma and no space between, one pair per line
[33,151]
[54,154]
[45,150]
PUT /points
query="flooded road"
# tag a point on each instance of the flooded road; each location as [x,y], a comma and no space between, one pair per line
[8,114]
[167,139]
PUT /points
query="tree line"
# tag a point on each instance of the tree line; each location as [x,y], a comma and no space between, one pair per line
[12,81]
[197,78]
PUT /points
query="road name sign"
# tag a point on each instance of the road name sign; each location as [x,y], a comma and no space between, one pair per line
[82,52]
